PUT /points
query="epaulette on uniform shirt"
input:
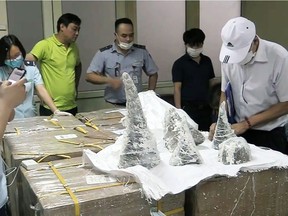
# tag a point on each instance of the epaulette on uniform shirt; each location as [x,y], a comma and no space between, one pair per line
[106,48]
[29,63]
[139,46]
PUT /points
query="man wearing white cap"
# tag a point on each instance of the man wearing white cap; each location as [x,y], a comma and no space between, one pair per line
[258,73]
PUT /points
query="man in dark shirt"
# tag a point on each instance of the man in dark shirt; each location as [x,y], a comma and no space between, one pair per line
[191,74]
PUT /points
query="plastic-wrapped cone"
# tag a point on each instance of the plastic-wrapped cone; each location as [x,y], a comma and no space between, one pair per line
[186,151]
[172,122]
[223,129]
[234,150]
[140,147]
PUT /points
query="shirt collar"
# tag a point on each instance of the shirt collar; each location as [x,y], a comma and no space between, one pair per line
[58,43]
[261,55]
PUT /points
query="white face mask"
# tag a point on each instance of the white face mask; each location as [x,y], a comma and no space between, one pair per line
[194,52]
[125,46]
[248,58]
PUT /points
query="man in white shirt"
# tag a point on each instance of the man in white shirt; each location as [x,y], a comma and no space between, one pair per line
[258,73]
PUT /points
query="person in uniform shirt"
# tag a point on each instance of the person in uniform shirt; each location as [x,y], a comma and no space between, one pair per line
[191,74]
[60,64]
[123,55]
[257,70]
[12,54]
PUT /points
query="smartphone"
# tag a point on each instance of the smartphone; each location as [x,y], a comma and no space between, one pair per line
[16,75]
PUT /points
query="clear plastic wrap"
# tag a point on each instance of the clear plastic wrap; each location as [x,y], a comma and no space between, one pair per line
[41,124]
[172,122]
[186,151]
[96,193]
[108,119]
[234,150]
[139,147]
[223,129]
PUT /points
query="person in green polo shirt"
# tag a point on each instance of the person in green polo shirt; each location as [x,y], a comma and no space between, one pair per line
[60,64]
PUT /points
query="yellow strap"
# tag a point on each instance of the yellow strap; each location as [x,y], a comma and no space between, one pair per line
[171,212]
[58,155]
[56,123]
[91,125]
[17,130]
[68,189]
[82,144]
[80,129]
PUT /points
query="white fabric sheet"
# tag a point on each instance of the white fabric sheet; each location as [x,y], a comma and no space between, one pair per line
[164,179]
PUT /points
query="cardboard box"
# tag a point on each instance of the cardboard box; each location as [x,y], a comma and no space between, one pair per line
[47,195]
[109,119]
[42,145]
[259,193]
[39,124]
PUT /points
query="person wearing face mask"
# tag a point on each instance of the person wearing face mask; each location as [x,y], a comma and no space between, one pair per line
[191,74]
[12,54]
[123,55]
[257,70]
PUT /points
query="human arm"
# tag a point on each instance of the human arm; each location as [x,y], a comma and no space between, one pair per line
[10,97]
[152,81]
[268,115]
[96,78]
[43,94]
[30,57]
[177,94]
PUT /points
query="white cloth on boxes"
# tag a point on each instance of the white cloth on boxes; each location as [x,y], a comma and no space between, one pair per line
[164,179]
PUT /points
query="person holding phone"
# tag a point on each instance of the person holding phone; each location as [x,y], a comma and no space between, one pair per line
[13,67]
[11,95]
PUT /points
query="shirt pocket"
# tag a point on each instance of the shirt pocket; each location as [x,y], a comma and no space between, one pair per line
[113,69]
[137,66]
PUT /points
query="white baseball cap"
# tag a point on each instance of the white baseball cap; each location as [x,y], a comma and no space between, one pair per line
[237,36]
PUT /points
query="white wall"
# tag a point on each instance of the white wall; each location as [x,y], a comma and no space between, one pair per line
[160,25]
[213,16]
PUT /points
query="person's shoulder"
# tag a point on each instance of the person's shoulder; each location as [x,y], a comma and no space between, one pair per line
[139,46]
[205,56]
[180,60]
[106,48]
[275,46]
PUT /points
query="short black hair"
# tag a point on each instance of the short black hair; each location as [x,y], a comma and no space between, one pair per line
[194,36]
[121,21]
[6,43]
[68,18]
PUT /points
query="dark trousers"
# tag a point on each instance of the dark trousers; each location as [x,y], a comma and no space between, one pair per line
[201,113]
[274,139]
[47,112]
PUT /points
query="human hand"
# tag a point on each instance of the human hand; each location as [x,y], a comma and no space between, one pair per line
[211,131]
[240,128]
[14,94]
[115,83]
[61,113]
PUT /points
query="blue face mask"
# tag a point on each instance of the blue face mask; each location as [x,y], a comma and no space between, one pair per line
[13,63]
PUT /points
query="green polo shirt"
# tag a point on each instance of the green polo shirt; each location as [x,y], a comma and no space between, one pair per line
[57,64]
